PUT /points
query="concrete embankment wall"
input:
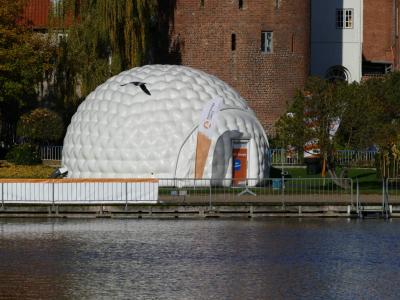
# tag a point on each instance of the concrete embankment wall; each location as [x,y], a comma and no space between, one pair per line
[199,211]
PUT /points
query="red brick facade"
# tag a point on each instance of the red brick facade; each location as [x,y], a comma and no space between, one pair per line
[203,35]
[379,41]
[381,32]
[36,13]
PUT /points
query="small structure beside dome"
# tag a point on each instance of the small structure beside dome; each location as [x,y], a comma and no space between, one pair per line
[122,131]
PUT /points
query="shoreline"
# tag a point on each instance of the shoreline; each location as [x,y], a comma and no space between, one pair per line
[196,211]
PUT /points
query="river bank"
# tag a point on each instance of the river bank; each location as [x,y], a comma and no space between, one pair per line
[196,211]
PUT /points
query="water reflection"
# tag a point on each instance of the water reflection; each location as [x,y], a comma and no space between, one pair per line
[220,259]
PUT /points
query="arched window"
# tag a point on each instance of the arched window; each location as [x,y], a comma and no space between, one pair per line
[337,73]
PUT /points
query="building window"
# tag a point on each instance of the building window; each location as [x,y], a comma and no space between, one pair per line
[201,3]
[233,42]
[337,73]
[344,18]
[57,6]
[277,4]
[266,41]
[62,37]
[240,4]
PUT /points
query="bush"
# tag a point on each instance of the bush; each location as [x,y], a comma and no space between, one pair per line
[40,126]
[24,154]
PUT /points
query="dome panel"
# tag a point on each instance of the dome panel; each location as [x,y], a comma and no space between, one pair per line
[121,131]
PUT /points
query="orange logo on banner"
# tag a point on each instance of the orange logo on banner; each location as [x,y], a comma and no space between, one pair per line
[207,124]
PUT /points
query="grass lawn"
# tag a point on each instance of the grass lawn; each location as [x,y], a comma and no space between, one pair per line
[8,170]
[369,183]
[367,178]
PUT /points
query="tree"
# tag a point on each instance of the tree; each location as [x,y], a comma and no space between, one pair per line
[105,38]
[313,112]
[369,114]
[40,126]
[24,58]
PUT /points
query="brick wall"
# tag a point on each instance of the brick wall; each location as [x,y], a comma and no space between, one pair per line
[267,81]
[378,31]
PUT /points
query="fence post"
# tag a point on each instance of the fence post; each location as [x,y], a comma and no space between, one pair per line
[283,188]
[53,195]
[210,201]
[351,192]
[358,197]
[383,193]
[126,196]
[385,196]
[2,195]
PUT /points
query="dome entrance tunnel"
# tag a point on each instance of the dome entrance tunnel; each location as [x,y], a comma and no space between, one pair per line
[162,121]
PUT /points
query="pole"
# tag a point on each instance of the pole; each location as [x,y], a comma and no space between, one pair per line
[126,196]
[53,195]
[210,196]
[283,187]
[2,195]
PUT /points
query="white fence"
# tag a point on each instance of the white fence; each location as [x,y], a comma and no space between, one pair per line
[277,156]
[343,157]
[178,191]
[51,152]
[71,191]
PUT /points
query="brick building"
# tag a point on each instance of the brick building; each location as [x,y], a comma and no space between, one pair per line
[36,14]
[354,39]
[381,48]
[266,49]
[260,47]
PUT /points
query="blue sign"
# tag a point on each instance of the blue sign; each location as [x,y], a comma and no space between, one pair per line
[237,164]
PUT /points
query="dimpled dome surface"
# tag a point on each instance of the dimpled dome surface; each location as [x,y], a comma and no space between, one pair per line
[119,131]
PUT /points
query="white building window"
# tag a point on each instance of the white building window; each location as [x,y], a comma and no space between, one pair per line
[344,18]
[62,37]
[266,41]
[57,7]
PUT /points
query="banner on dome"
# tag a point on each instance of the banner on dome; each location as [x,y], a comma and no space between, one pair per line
[206,130]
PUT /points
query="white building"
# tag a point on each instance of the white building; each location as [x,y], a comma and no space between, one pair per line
[336,39]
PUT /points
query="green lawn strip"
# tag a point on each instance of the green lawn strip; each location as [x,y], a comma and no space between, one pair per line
[8,170]
[368,181]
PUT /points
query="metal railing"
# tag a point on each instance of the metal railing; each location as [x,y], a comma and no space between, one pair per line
[78,191]
[356,158]
[373,204]
[276,156]
[343,157]
[51,152]
[280,191]
[285,157]
[272,190]
[392,190]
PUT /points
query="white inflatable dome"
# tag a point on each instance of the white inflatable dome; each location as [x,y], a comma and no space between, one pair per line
[120,131]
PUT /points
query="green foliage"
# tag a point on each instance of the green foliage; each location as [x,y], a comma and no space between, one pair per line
[24,58]
[369,114]
[24,154]
[40,126]
[312,113]
[105,38]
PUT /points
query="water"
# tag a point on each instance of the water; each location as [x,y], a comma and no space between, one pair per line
[204,259]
